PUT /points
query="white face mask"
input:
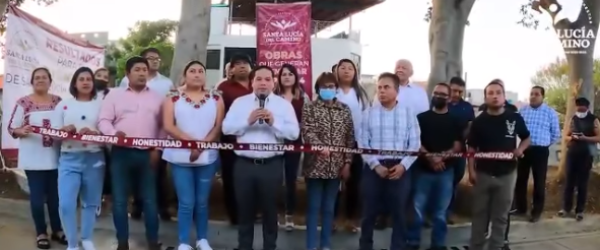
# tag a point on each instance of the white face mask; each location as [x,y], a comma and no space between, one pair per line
[581,114]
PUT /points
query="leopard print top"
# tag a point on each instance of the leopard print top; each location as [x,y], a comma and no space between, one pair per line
[326,124]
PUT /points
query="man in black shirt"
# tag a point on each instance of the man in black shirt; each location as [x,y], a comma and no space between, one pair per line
[441,132]
[494,130]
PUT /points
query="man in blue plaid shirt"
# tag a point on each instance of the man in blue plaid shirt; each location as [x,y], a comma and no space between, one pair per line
[387,126]
[542,122]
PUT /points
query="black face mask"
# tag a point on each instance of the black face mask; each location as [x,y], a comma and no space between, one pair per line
[100,84]
[439,102]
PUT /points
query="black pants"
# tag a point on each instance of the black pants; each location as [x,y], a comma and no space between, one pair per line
[162,191]
[257,185]
[579,165]
[351,193]
[535,160]
[291,162]
[107,188]
[228,159]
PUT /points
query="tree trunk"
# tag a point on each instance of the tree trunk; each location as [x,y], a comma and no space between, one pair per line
[192,36]
[581,68]
[446,35]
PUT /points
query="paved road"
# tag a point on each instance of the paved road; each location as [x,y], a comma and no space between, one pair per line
[16,233]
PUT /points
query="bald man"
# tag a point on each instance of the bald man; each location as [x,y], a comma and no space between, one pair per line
[410,94]
[228,75]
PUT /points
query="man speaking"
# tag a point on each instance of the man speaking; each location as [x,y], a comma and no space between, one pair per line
[259,117]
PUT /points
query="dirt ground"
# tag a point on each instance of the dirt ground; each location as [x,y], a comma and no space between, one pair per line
[9,188]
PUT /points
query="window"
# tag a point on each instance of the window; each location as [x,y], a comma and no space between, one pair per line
[213,59]
[356,59]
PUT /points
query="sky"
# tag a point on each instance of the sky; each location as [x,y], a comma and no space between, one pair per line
[495,46]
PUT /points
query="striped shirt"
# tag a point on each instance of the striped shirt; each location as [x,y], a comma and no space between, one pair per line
[383,129]
[543,124]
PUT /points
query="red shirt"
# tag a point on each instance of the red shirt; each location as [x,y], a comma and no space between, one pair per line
[231,90]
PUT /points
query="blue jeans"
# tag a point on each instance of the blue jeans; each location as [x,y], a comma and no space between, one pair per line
[192,184]
[42,191]
[432,192]
[80,173]
[322,195]
[125,164]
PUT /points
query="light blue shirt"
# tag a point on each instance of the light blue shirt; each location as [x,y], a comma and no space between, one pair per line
[542,123]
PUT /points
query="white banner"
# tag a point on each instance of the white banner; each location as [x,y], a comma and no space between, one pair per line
[31,43]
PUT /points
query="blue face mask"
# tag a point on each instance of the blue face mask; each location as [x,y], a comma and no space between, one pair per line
[327,94]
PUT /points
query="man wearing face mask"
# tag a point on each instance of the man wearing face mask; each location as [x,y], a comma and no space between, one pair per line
[435,174]
[583,136]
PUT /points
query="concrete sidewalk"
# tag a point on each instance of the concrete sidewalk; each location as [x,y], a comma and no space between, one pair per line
[16,232]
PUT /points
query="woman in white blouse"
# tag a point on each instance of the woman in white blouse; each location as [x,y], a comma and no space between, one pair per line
[194,113]
[81,164]
[38,155]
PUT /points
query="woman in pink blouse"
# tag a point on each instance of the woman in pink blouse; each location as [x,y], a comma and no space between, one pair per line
[37,109]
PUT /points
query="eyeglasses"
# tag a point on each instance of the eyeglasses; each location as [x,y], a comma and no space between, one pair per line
[153,59]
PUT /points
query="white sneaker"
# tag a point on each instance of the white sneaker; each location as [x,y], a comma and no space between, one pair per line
[185,247]
[203,245]
[88,245]
[98,211]
[289,223]
[74,248]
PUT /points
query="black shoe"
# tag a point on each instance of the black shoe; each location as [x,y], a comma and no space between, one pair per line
[517,212]
[136,214]
[166,216]
[579,216]
[413,247]
[381,223]
[505,247]
[563,213]
[123,246]
[154,246]
[534,218]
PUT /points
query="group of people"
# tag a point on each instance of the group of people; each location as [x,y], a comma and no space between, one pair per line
[257,104]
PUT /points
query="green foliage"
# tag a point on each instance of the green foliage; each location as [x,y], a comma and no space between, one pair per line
[554,77]
[144,34]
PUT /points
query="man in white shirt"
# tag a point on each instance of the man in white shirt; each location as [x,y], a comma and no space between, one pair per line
[410,94]
[258,175]
[156,81]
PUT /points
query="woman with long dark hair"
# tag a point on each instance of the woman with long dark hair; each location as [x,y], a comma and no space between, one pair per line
[38,155]
[81,165]
[351,93]
[194,113]
[288,86]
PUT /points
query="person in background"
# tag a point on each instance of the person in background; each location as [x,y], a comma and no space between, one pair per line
[228,75]
[433,186]
[583,136]
[333,69]
[465,113]
[161,85]
[156,81]
[542,122]
[258,174]
[81,165]
[386,179]
[238,85]
[325,121]
[133,112]
[37,109]
[351,93]
[288,87]
[101,78]
[194,114]
[509,106]
[494,130]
